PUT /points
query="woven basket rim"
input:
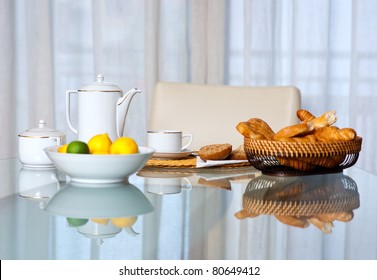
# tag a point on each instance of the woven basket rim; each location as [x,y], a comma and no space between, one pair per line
[301,149]
[300,208]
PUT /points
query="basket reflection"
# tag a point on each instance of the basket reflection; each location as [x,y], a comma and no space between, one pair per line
[302,200]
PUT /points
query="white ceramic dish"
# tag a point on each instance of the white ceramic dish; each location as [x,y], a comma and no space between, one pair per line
[88,168]
[185,153]
[32,142]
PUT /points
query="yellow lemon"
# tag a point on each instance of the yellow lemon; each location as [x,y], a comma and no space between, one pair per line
[78,147]
[124,221]
[124,145]
[63,149]
[102,221]
[100,144]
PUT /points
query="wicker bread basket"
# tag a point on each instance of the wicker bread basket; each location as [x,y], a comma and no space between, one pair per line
[300,158]
[301,195]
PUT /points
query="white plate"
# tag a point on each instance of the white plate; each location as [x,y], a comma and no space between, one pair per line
[89,168]
[178,155]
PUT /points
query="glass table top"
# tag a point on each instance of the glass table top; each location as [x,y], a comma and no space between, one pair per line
[167,214]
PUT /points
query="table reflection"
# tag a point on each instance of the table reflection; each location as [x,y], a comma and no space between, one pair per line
[320,200]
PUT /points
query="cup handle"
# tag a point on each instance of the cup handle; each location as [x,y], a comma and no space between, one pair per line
[186,185]
[189,142]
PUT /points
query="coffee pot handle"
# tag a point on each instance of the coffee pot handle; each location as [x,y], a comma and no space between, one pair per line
[68,108]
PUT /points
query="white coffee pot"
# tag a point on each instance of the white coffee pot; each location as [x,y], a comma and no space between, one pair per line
[101,108]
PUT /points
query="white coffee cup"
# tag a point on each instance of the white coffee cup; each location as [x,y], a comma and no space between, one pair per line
[168,141]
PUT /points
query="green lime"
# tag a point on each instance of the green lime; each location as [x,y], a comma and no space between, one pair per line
[78,147]
[76,222]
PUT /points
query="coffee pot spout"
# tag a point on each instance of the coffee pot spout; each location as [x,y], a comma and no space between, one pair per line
[122,108]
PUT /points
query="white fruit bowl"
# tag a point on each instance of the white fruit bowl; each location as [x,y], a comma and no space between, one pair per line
[89,168]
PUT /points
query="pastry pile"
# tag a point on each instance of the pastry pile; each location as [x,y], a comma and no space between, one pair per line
[311,129]
[323,221]
[221,152]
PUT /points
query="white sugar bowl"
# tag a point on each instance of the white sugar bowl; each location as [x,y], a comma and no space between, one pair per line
[32,142]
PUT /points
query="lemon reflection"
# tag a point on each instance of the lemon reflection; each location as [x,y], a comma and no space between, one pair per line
[100,210]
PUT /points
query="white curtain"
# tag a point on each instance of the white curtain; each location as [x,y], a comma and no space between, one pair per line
[328,49]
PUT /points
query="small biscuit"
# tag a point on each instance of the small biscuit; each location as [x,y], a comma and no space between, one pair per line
[215,151]
[238,154]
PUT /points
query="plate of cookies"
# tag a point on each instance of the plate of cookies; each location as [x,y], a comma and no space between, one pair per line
[312,146]
[210,155]
[220,154]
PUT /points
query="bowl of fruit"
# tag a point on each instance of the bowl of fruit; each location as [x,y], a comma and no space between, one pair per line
[100,160]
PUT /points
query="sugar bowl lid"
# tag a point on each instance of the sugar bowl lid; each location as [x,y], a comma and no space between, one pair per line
[100,85]
[41,131]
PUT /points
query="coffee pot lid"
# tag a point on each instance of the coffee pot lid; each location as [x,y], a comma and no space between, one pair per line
[100,85]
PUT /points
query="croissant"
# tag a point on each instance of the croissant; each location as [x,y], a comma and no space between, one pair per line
[325,227]
[245,129]
[325,119]
[306,138]
[294,130]
[296,163]
[333,133]
[242,214]
[261,127]
[328,162]
[327,217]
[345,216]
[301,222]
[304,115]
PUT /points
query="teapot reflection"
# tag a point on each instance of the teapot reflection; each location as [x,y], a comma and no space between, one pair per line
[102,210]
[319,200]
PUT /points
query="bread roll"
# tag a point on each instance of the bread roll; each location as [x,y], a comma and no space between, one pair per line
[294,130]
[323,226]
[305,115]
[215,151]
[306,138]
[247,131]
[327,217]
[324,120]
[345,216]
[238,154]
[300,222]
[333,133]
[242,214]
[297,164]
[261,127]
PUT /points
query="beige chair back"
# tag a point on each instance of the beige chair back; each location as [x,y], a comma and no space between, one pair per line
[211,113]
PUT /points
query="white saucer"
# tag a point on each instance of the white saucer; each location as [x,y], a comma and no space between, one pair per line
[178,155]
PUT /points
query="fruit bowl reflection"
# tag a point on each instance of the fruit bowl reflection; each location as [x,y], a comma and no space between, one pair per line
[77,200]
